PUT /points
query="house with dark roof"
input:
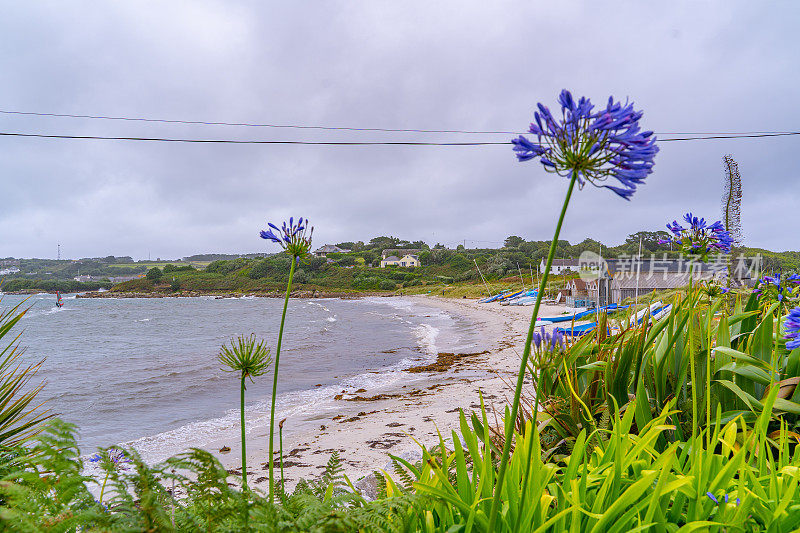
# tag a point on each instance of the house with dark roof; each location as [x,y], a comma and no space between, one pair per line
[323,251]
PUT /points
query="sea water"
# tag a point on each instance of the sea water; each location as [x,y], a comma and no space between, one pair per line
[143,372]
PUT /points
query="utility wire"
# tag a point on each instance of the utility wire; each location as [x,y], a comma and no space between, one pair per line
[334,128]
[351,143]
[237,141]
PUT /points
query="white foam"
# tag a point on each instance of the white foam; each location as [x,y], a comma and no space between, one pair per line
[312,302]
[156,448]
[426,337]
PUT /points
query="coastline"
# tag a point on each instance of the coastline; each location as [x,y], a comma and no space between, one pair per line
[366,425]
[302,294]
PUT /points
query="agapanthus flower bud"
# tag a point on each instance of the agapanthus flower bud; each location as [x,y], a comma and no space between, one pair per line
[548,342]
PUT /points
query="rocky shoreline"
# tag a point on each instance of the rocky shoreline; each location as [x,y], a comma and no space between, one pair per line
[220,295]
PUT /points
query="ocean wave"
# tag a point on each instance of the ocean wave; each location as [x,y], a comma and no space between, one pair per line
[426,336]
[318,400]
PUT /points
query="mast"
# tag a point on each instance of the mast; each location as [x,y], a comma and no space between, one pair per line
[484,279]
[520,277]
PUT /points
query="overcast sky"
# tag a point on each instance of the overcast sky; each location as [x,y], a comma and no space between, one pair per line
[714,66]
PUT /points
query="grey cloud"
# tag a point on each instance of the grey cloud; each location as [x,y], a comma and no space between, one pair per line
[711,66]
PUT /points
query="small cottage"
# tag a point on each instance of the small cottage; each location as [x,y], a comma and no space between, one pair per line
[323,251]
[559,266]
[407,260]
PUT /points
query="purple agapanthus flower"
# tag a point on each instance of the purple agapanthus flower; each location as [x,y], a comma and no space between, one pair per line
[548,342]
[294,238]
[117,457]
[792,328]
[773,287]
[592,145]
[699,238]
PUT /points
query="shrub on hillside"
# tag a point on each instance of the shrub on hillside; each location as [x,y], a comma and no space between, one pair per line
[387,285]
[183,268]
[226,266]
[300,276]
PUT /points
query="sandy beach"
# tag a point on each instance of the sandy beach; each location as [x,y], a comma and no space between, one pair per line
[366,425]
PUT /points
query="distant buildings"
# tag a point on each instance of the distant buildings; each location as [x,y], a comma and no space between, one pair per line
[614,280]
[632,286]
[12,270]
[560,266]
[407,260]
[323,251]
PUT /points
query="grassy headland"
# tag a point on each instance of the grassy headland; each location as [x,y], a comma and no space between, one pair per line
[446,272]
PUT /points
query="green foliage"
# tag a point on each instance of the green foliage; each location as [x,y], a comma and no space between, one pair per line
[513,241]
[645,367]
[154,274]
[346,260]
[369,257]
[228,266]
[613,480]
[183,268]
[300,276]
[20,417]
[175,284]
[42,490]
[275,268]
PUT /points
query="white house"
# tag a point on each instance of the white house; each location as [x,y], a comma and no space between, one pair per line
[560,266]
[408,260]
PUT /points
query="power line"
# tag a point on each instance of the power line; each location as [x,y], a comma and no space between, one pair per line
[350,143]
[253,125]
[238,141]
[338,128]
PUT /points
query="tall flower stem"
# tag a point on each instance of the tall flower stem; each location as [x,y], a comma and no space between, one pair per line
[708,373]
[275,383]
[510,424]
[245,511]
[244,445]
[103,488]
[692,355]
